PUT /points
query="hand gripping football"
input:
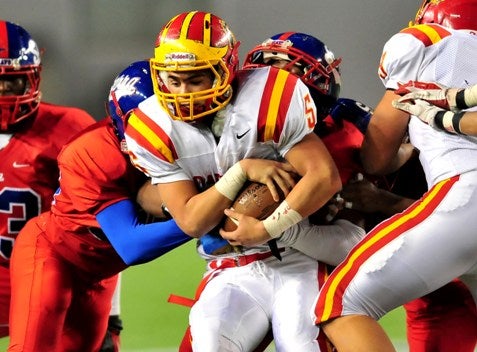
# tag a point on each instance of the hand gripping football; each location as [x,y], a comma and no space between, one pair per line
[254,200]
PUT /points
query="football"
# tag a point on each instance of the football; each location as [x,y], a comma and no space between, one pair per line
[254,200]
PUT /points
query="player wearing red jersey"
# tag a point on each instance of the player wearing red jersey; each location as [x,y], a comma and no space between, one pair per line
[32,133]
[421,249]
[65,262]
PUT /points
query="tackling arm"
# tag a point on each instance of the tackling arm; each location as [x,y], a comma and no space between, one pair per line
[135,242]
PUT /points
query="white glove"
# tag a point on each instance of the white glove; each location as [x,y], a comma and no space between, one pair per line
[437,118]
[420,108]
[454,99]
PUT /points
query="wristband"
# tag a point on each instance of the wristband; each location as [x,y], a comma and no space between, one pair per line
[448,121]
[231,182]
[281,219]
[470,97]
[460,100]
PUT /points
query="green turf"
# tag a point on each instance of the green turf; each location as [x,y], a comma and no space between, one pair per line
[153,324]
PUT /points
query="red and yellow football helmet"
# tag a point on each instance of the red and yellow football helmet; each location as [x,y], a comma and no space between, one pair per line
[195,41]
[19,58]
[456,14]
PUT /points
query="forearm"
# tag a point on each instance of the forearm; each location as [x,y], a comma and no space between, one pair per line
[134,241]
[327,243]
[468,123]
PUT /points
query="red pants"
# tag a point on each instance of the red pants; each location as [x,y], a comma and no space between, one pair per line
[444,320]
[55,305]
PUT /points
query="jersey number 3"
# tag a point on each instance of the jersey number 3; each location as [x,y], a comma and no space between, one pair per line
[17,206]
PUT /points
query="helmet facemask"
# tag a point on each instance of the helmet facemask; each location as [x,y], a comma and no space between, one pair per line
[195,41]
[193,105]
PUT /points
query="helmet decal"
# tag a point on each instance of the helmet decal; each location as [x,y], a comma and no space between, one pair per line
[132,86]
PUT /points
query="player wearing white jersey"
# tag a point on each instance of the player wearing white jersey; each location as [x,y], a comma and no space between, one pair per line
[434,240]
[271,115]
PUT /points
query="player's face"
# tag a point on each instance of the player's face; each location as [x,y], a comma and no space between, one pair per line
[189,81]
[12,85]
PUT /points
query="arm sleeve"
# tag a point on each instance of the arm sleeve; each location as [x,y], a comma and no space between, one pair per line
[135,242]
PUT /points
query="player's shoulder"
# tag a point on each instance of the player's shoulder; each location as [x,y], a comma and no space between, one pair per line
[64,114]
[149,116]
[268,76]
[426,34]
[97,142]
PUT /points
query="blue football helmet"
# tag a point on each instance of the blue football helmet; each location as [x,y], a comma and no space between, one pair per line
[19,62]
[317,66]
[131,87]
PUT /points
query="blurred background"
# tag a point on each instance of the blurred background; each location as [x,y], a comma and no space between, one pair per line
[87,42]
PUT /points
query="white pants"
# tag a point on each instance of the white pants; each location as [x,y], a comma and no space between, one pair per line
[239,306]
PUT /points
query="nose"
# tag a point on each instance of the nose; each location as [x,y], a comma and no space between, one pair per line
[185,88]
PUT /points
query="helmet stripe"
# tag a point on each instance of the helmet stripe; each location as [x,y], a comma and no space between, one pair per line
[286,35]
[4,52]
[207,29]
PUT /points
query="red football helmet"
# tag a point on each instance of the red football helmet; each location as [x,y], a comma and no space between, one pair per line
[456,14]
[19,58]
[193,41]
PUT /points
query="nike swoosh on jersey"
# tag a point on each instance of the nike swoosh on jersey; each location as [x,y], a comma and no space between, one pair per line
[18,165]
[240,136]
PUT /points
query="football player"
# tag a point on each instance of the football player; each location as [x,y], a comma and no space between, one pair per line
[32,133]
[66,261]
[423,248]
[207,120]
[342,132]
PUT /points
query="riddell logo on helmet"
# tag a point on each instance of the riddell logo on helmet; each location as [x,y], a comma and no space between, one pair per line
[180,57]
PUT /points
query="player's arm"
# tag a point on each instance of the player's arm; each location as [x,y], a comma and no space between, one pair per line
[136,242]
[382,151]
[318,183]
[443,120]
[198,213]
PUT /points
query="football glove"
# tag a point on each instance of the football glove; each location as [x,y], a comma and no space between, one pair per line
[453,99]
[434,116]
[353,111]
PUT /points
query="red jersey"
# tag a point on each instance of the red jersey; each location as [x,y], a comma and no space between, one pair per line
[28,170]
[343,142]
[94,175]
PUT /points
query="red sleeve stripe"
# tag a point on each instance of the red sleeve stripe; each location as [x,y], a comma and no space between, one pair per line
[4,40]
[151,136]
[274,105]
[428,34]
[330,301]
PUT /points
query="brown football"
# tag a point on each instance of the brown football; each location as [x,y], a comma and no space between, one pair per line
[254,200]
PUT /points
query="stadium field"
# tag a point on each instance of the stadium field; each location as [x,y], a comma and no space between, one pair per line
[151,324]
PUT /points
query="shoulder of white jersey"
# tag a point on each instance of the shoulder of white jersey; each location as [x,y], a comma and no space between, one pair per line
[277,90]
[150,127]
[428,34]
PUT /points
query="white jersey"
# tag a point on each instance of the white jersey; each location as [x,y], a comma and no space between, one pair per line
[432,53]
[271,111]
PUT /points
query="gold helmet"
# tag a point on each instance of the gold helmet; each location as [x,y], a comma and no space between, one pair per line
[194,41]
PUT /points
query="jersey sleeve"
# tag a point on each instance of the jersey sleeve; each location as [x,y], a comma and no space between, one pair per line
[398,52]
[406,48]
[150,146]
